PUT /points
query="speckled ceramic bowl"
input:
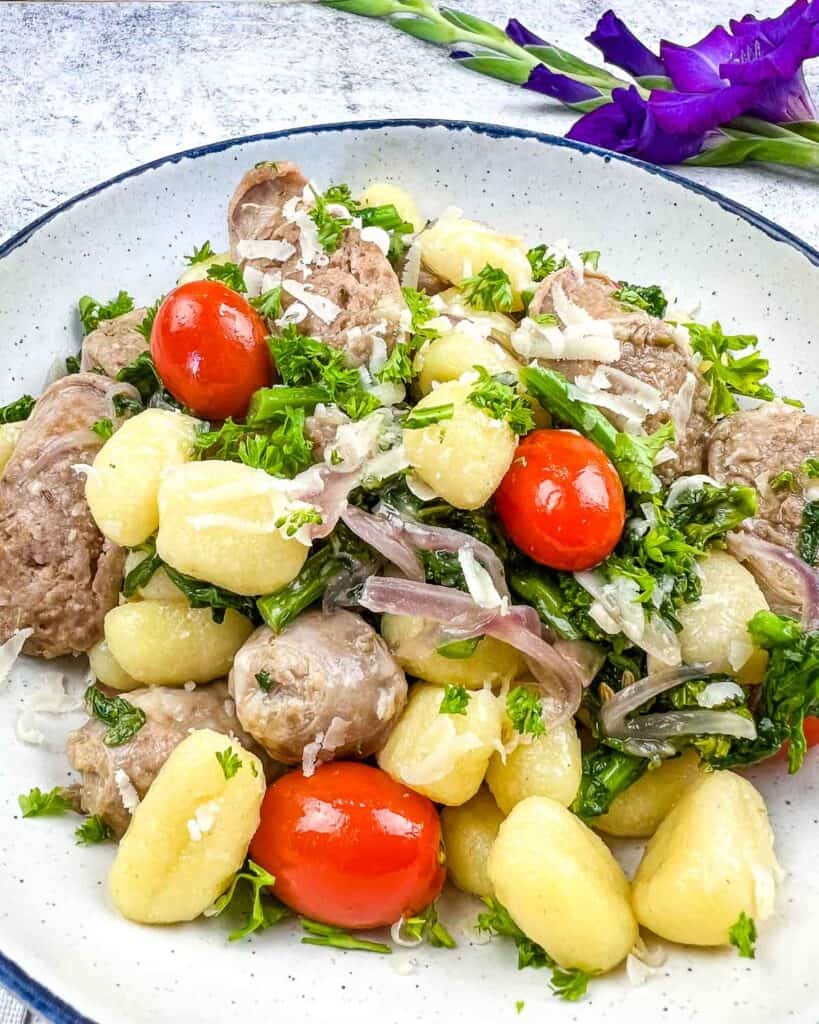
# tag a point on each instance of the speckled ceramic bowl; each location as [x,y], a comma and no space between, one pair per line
[64,949]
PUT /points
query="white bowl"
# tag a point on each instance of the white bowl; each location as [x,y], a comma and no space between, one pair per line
[63,948]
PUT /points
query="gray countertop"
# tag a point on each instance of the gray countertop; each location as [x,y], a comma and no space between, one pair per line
[93,89]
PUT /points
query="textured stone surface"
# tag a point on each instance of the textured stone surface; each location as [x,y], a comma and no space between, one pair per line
[93,89]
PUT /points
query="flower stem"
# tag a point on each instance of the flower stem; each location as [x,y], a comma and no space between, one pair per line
[792,151]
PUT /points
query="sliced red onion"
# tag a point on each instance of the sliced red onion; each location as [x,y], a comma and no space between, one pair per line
[428,601]
[386,535]
[789,584]
[614,712]
[440,538]
[586,657]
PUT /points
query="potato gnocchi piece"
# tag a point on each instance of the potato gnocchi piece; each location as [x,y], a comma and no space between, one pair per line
[123,487]
[562,886]
[710,860]
[9,436]
[463,459]
[199,271]
[107,669]
[715,628]
[381,193]
[491,662]
[162,643]
[469,831]
[190,833]
[455,249]
[453,354]
[549,765]
[440,755]
[217,523]
[158,587]
[639,811]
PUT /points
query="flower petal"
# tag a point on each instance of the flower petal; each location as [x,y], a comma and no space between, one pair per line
[619,46]
[521,35]
[697,113]
[560,87]
[696,68]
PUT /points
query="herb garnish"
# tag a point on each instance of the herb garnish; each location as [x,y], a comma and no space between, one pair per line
[742,935]
[265,909]
[93,830]
[525,711]
[490,290]
[229,761]
[328,935]
[122,718]
[455,701]
[427,417]
[497,397]
[727,374]
[36,804]
[91,311]
[103,428]
[18,410]
[200,254]
[229,274]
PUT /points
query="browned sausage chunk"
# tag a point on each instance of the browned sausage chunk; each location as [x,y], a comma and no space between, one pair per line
[115,343]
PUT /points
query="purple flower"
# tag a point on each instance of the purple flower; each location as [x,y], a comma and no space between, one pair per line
[560,87]
[619,46]
[521,35]
[630,124]
[765,55]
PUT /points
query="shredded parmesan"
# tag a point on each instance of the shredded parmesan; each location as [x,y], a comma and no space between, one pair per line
[127,792]
[412,266]
[10,651]
[253,278]
[322,307]
[203,820]
[378,236]
[715,694]
[478,581]
[562,251]
[264,249]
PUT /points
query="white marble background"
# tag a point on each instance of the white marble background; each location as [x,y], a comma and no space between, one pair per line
[91,89]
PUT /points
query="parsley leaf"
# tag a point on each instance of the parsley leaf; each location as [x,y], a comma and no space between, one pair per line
[425,926]
[122,718]
[279,446]
[229,761]
[784,480]
[293,521]
[265,910]
[810,468]
[264,680]
[742,935]
[427,417]
[570,984]
[808,545]
[91,311]
[229,274]
[490,289]
[455,701]
[328,935]
[525,711]
[103,428]
[497,397]
[201,594]
[93,830]
[36,804]
[142,374]
[330,226]
[269,303]
[72,364]
[398,367]
[649,298]
[707,513]
[543,263]
[18,410]
[147,324]
[421,312]
[729,375]
[200,254]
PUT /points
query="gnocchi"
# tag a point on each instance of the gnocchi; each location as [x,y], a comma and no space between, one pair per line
[217,522]
[711,859]
[455,353]
[190,833]
[123,486]
[440,755]
[168,643]
[381,193]
[455,249]
[714,629]
[469,831]
[549,765]
[9,435]
[562,886]
[463,459]
[491,662]
[106,669]
[639,810]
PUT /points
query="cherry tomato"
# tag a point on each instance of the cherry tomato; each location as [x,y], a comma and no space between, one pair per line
[349,846]
[562,501]
[812,731]
[208,344]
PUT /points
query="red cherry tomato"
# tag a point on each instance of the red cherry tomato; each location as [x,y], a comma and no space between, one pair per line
[208,344]
[812,731]
[349,846]
[562,501]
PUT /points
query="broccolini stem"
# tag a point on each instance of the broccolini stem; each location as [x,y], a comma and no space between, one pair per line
[606,774]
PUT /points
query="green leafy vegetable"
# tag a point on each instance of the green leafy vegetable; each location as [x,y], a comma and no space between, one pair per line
[229,761]
[398,367]
[328,935]
[443,568]
[490,289]
[543,263]
[200,254]
[142,374]
[265,910]
[36,804]
[455,701]
[525,711]
[606,774]
[92,311]
[519,1004]
[207,595]
[277,445]
[147,324]
[546,319]
[729,375]
[810,468]
[421,311]
[72,364]
[497,397]
[570,984]
[650,298]
[143,571]
[103,428]
[808,545]
[429,416]
[425,927]
[269,303]
[330,226]
[93,830]
[123,719]
[786,480]
[458,649]
[742,935]
[17,411]
[708,512]
[229,274]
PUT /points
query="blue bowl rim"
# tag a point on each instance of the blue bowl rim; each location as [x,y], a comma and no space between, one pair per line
[36,995]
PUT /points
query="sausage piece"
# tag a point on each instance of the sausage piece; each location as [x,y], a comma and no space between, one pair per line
[58,574]
[114,344]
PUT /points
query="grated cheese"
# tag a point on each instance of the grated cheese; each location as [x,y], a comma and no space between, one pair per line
[127,792]
[478,581]
[322,307]
[264,249]
[10,651]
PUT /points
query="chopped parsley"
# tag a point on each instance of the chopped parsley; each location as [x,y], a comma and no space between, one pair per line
[103,428]
[264,680]
[497,397]
[328,935]
[421,312]
[72,364]
[649,298]
[329,226]
[810,468]
[427,417]
[200,254]
[93,830]
[229,274]
[525,711]
[265,910]
[142,374]
[36,804]
[147,324]
[123,719]
[786,480]
[18,410]
[490,290]
[124,405]
[808,545]
[425,927]
[544,263]
[455,701]
[229,761]
[269,303]
[519,1004]
[277,446]
[742,935]
[570,984]
[91,311]
[727,374]
[546,319]
[294,520]
[398,367]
